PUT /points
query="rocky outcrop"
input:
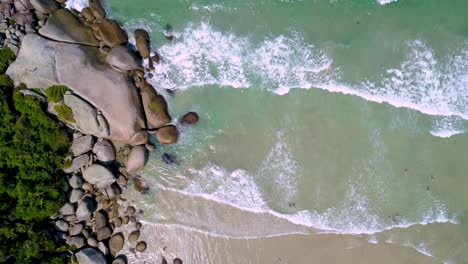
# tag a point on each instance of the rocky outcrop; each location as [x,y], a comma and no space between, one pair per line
[116,242]
[190,118]
[123,59]
[142,41]
[42,63]
[63,26]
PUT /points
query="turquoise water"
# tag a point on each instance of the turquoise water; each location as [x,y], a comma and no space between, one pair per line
[316,116]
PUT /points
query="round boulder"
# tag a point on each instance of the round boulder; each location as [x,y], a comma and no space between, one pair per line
[177,261]
[167,135]
[116,243]
[141,246]
[100,220]
[134,235]
[190,118]
[104,233]
[120,260]
[85,208]
[90,256]
[99,175]
[136,159]
[105,151]
[123,59]
[61,225]
[112,34]
[142,40]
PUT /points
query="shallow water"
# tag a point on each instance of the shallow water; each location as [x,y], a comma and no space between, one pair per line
[338,117]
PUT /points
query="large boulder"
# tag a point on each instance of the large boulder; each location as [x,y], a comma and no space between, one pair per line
[63,26]
[97,9]
[122,58]
[99,175]
[42,63]
[136,160]
[142,41]
[82,145]
[88,120]
[190,118]
[112,34]
[45,6]
[155,106]
[105,151]
[67,209]
[87,14]
[78,163]
[85,208]
[90,256]
[167,135]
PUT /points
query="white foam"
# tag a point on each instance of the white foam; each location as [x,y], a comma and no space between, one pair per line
[77,4]
[446,127]
[384,2]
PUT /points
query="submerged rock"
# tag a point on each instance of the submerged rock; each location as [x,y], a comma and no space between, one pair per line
[136,159]
[140,184]
[99,175]
[90,256]
[67,209]
[190,118]
[167,135]
[169,159]
[142,41]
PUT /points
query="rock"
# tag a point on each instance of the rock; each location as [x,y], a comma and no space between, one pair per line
[138,225]
[76,241]
[116,243]
[22,5]
[105,151]
[61,225]
[85,208]
[169,159]
[87,187]
[71,218]
[177,261]
[82,145]
[120,260]
[131,210]
[140,138]
[75,195]
[164,261]
[133,219]
[140,184]
[118,222]
[103,248]
[87,14]
[97,9]
[75,229]
[125,219]
[67,209]
[42,63]
[136,159]
[78,163]
[150,147]
[75,181]
[104,233]
[63,26]
[134,235]
[45,6]
[122,181]
[112,34]
[190,118]
[61,235]
[167,135]
[155,106]
[142,41]
[92,242]
[113,191]
[90,256]
[141,246]
[100,220]
[99,175]
[86,117]
[123,59]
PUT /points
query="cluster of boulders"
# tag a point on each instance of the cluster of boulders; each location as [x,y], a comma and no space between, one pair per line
[95,208]
[111,109]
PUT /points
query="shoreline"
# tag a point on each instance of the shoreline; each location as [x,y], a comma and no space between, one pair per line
[82,65]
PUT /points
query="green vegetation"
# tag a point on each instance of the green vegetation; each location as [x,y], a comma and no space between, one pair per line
[32,147]
[6,57]
[65,113]
[55,93]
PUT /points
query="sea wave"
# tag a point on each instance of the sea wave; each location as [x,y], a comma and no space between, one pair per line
[77,4]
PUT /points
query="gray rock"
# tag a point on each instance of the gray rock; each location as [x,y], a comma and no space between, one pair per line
[42,63]
[92,242]
[45,6]
[100,220]
[123,59]
[86,117]
[75,229]
[67,209]
[63,26]
[85,208]
[104,233]
[23,18]
[103,248]
[75,181]
[78,163]
[87,187]
[61,225]
[71,218]
[90,256]
[75,195]
[105,151]
[99,175]
[136,159]
[82,144]
[113,191]
[76,241]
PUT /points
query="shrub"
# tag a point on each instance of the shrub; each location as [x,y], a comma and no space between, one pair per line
[32,150]
[6,57]
[65,113]
[55,93]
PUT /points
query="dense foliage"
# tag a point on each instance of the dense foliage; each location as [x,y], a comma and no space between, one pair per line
[32,146]
[6,57]
[65,113]
[55,93]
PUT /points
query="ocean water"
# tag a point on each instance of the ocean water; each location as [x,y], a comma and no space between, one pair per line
[331,131]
